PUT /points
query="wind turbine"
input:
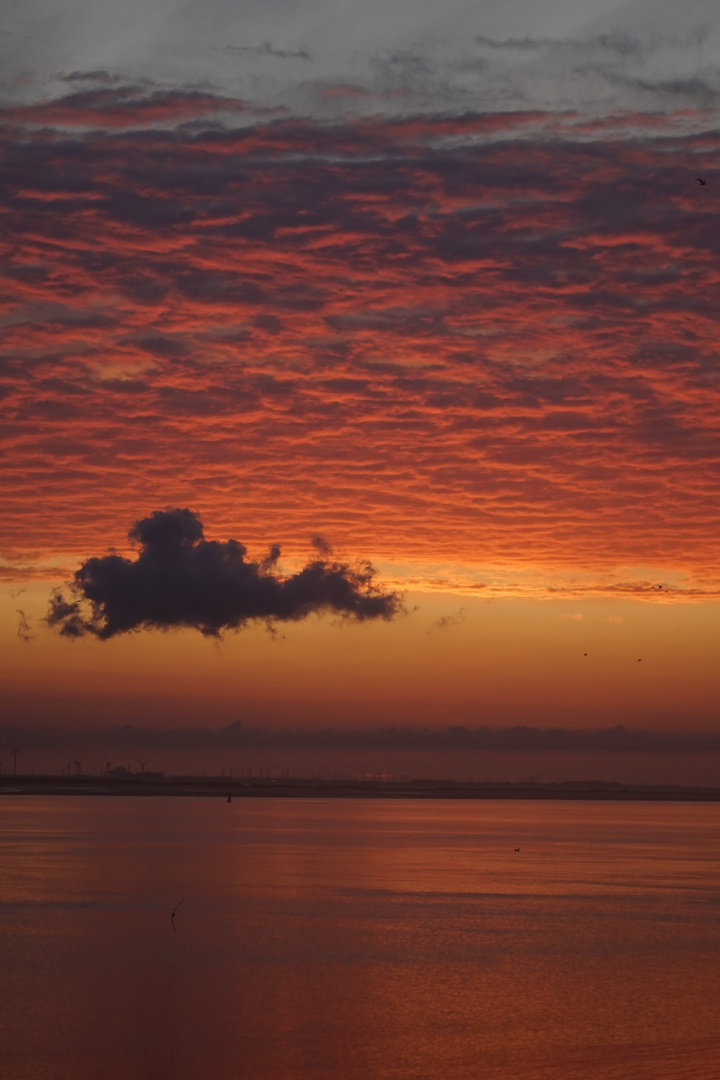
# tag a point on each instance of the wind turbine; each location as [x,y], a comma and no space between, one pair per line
[142,764]
[77,764]
[14,754]
[108,765]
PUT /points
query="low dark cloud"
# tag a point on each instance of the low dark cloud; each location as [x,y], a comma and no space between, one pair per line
[182,580]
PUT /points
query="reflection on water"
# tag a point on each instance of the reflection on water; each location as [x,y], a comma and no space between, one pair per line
[321,939]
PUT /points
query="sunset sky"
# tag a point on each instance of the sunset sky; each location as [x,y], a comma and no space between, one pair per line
[429,286]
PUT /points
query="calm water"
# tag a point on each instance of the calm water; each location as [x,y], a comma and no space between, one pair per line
[337,939]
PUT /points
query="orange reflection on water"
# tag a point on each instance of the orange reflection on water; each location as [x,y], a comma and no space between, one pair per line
[324,938]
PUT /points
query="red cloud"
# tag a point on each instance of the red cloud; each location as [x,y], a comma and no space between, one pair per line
[460,339]
[122,107]
[344,90]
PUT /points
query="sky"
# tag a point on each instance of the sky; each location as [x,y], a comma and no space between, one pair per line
[359,368]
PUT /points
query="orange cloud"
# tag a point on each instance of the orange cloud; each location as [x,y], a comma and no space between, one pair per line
[475,340]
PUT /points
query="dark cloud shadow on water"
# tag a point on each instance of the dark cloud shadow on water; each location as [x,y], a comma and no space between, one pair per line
[180,579]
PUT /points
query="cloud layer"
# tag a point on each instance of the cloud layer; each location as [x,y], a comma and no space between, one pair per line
[618,740]
[182,580]
[477,338]
[317,57]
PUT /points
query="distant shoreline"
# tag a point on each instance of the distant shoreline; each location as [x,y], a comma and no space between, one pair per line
[222,787]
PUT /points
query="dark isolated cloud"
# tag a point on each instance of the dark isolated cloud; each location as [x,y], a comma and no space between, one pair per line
[180,579]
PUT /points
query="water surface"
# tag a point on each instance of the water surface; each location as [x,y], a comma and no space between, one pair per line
[324,939]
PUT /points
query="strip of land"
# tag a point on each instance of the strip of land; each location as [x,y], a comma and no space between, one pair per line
[228,787]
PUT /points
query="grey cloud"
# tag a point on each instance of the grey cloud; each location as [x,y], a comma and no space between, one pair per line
[182,580]
[613,42]
[523,44]
[695,89]
[188,44]
[268,49]
[97,76]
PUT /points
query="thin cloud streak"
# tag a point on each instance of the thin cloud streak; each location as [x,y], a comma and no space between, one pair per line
[24,629]
[446,622]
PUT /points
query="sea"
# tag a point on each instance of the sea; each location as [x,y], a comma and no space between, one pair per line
[145,938]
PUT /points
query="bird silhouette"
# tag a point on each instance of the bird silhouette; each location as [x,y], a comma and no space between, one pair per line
[172,914]
[700,181]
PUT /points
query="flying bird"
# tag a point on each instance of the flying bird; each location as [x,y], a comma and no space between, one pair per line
[701,181]
[172,914]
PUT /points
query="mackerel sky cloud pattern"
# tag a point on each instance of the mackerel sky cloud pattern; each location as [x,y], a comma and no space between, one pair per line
[470,339]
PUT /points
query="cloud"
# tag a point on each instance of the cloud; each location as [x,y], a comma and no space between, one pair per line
[613,43]
[523,44]
[182,580]
[268,49]
[24,630]
[445,622]
[343,90]
[455,52]
[321,544]
[96,76]
[421,332]
[521,739]
[123,106]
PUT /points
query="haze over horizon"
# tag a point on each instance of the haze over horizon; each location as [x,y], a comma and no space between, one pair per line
[360,365]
